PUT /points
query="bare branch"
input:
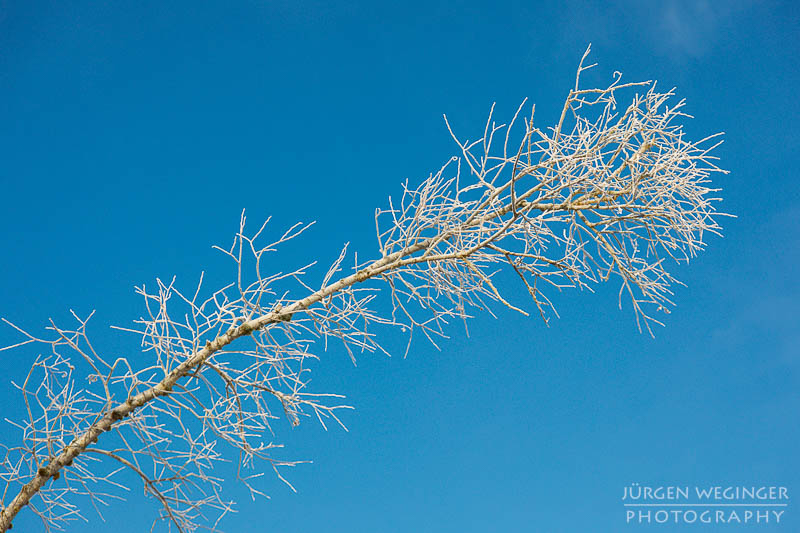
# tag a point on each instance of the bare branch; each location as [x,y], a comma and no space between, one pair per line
[607,192]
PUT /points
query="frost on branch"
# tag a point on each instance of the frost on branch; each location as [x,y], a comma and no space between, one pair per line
[611,190]
[614,189]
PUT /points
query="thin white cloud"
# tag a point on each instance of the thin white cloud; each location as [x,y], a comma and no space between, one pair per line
[692,27]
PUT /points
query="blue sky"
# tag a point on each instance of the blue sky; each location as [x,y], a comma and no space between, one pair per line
[133,136]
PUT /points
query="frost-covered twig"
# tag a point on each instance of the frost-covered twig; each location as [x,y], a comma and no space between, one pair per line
[614,189]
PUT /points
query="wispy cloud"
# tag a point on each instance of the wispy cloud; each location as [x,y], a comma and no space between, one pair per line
[692,26]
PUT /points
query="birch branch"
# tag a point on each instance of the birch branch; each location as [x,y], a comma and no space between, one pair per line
[605,193]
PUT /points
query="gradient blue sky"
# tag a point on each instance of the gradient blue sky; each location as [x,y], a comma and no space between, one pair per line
[133,136]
